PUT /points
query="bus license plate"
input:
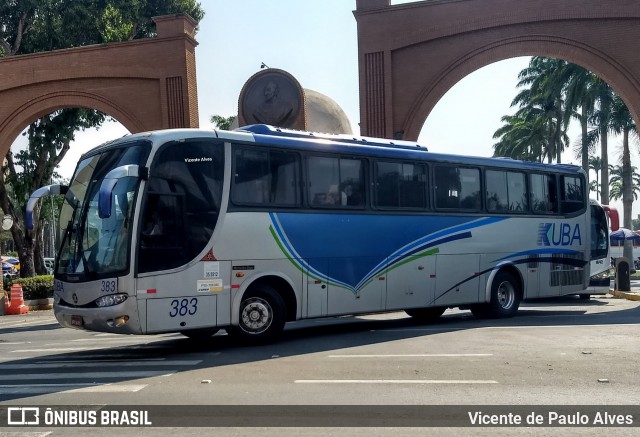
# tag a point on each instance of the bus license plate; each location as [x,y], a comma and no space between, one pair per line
[76,320]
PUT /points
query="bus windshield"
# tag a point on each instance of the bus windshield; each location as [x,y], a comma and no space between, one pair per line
[90,244]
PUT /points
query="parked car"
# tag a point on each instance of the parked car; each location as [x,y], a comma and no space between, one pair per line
[12,260]
[8,270]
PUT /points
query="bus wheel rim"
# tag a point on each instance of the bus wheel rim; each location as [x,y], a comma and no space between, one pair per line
[506,295]
[256,316]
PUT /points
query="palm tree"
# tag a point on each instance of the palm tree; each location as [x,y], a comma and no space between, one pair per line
[601,118]
[595,163]
[622,123]
[543,99]
[521,137]
[594,186]
[580,94]
[616,184]
[221,122]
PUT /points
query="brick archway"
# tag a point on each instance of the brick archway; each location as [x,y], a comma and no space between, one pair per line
[144,84]
[411,54]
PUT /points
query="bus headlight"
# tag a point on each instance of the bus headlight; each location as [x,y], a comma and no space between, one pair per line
[111,300]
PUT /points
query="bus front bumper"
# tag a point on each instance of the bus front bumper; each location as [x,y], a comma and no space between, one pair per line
[117,319]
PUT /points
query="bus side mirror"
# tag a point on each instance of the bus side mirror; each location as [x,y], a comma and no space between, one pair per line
[48,190]
[109,182]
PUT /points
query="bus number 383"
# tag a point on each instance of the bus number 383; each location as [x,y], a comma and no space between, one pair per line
[182,307]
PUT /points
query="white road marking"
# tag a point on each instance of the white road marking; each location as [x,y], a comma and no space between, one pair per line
[119,358]
[59,349]
[393,381]
[72,349]
[76,364]
[411,356]
[110,388]
[92,375]
[70,388]
[458,328]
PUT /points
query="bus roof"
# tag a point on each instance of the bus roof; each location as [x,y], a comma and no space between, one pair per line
[337,143]
[265,129]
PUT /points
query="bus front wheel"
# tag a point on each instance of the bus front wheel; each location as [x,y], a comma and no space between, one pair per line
[262,315]
[505,298]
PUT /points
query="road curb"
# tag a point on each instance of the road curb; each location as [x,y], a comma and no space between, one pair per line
[626,295]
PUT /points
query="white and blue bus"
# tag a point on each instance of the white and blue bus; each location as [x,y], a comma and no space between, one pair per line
[192,230]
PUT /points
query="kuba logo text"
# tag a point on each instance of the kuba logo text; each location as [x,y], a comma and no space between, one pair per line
[559,234]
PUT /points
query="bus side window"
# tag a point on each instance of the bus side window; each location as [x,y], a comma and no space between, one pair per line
[543,193]
[336,182]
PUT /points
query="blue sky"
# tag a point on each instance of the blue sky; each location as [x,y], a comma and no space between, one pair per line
[316,41]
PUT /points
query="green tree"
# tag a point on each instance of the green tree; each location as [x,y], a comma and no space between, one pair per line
[221,122]
[595,164]
[616,186]
[580,103]
[30,26]
[622,123]
[523,136]
[617,191]
[540,124]
[544,99]
[601,118]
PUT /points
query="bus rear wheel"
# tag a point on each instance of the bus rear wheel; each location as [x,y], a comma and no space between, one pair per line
[505,298]
[425,314]
[261,317]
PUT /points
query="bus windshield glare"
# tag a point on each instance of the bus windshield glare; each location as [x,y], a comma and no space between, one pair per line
[91,245]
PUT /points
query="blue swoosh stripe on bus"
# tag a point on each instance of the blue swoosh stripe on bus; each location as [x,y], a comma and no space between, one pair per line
[398,259]
[285,241]
[449,231]
[363,227]
[296,256]
[427,241]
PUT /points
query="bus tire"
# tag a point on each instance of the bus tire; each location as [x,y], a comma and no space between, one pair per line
[426,314]
[505,298]
[262,315]
[200,334]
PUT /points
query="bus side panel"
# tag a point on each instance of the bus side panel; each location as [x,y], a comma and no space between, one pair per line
[201,288]
[180,313]
[251,271]
[369,296]
[457,280]
[412,285]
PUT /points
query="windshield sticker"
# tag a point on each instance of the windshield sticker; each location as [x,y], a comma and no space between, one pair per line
[210,286]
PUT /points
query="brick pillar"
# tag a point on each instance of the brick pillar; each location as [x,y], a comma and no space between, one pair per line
[180,105]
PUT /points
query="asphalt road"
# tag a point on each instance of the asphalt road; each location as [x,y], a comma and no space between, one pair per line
[555,352]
